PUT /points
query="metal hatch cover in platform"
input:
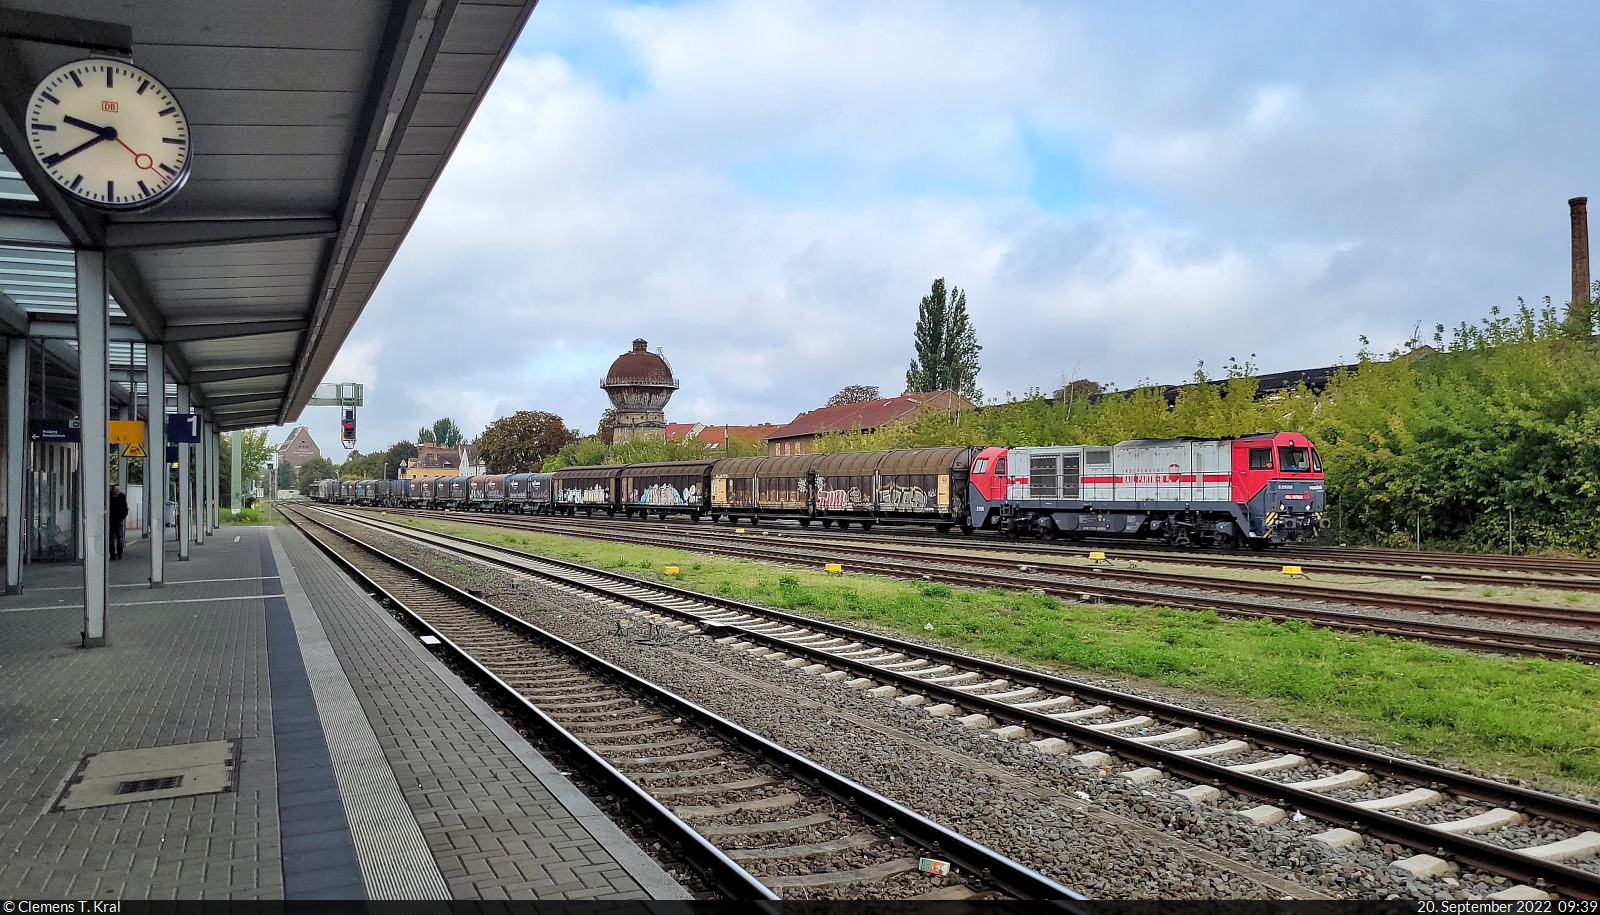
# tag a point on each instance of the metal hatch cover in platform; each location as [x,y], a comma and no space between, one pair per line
[154,773]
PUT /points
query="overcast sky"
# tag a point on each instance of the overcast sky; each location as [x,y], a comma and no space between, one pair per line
[765,188]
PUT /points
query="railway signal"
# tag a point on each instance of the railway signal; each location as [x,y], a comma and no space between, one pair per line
[347,428]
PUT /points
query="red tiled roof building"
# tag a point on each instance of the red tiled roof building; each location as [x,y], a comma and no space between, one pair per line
[799,436]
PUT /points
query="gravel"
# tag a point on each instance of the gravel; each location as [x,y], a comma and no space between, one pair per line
[1126,842]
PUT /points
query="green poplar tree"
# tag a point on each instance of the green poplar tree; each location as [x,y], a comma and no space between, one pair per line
[946,345]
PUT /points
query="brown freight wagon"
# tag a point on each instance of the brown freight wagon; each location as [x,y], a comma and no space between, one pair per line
[587,489]
[487,493]
[452,492]
[679,487]
[762,487]
[905,485]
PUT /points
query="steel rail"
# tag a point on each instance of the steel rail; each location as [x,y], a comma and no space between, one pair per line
[1324,561]
[715,866]
[1587,580]
[1010,876]
[1448,634]
[1484,855]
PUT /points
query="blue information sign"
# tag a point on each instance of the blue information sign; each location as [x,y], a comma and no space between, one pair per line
[183,428]
[57,431]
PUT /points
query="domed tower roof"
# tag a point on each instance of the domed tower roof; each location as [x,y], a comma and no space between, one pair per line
[640,367]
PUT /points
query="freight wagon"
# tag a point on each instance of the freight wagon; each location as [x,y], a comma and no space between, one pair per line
[675,488]
[902,486]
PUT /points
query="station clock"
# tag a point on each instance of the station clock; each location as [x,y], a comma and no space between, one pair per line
[110,134]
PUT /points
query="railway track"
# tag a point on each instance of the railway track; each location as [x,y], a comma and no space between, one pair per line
[1072,582]
[1514,571]
[1524,564]
[758,821]
[1575,575]
[1471,821]
[1290,591]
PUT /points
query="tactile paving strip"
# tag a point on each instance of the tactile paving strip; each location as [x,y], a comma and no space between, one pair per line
[394,856]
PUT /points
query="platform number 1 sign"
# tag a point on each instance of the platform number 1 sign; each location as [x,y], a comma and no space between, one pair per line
[183,428]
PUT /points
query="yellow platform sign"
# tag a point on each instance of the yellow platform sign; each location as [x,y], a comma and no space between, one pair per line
[126,432]
[134,451]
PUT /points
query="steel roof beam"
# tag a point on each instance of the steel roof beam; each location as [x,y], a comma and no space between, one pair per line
[184,333]
[260,371]
[237,399]
[137,302]
[199,233]
[68,330]
[13,317]
[25,222]
[247,421]
[68,31]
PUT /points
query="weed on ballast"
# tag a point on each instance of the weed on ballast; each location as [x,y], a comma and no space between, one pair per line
[1525,715]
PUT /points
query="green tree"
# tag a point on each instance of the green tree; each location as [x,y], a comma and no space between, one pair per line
[318,468]
[399,451]
[583,452]
[854,393]
[360,466]
[285,476]
[443,432]
[253,457]
[523,441]
[946,345]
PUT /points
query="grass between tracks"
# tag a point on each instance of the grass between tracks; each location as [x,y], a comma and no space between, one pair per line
[1520,716]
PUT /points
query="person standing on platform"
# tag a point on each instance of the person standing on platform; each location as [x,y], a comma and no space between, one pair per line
[119,521]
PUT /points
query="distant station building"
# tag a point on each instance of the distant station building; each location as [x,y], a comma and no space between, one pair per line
[298,448]
[639,384]
[434,461]
[799,436]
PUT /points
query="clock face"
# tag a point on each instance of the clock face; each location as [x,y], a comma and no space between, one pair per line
[109,134]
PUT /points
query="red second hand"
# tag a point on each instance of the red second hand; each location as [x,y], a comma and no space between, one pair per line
[147,164]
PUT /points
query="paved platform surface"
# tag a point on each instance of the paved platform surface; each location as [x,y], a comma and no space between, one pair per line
[365,769]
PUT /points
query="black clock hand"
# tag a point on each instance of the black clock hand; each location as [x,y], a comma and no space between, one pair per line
[54,158]
[106,133]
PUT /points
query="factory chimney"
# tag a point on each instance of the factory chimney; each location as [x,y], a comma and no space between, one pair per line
[1579,314]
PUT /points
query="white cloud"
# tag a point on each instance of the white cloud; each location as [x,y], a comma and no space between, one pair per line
[780,182]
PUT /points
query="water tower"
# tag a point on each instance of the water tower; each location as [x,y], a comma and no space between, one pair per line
[639,384]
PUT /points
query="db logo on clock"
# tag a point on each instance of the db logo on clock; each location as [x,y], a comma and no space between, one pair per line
[108,106]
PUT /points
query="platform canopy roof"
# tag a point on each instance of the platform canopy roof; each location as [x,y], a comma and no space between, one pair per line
[318,128]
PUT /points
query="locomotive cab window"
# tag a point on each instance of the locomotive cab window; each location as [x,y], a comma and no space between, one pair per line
[1316,461]
[1260,458]
[1000,467]
[1294,460]
[980,465]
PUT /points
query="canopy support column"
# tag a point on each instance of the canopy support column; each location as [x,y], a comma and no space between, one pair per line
[185,490]
[200,481]
[157,473]
[236,466]
[16,456]
[94,357]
